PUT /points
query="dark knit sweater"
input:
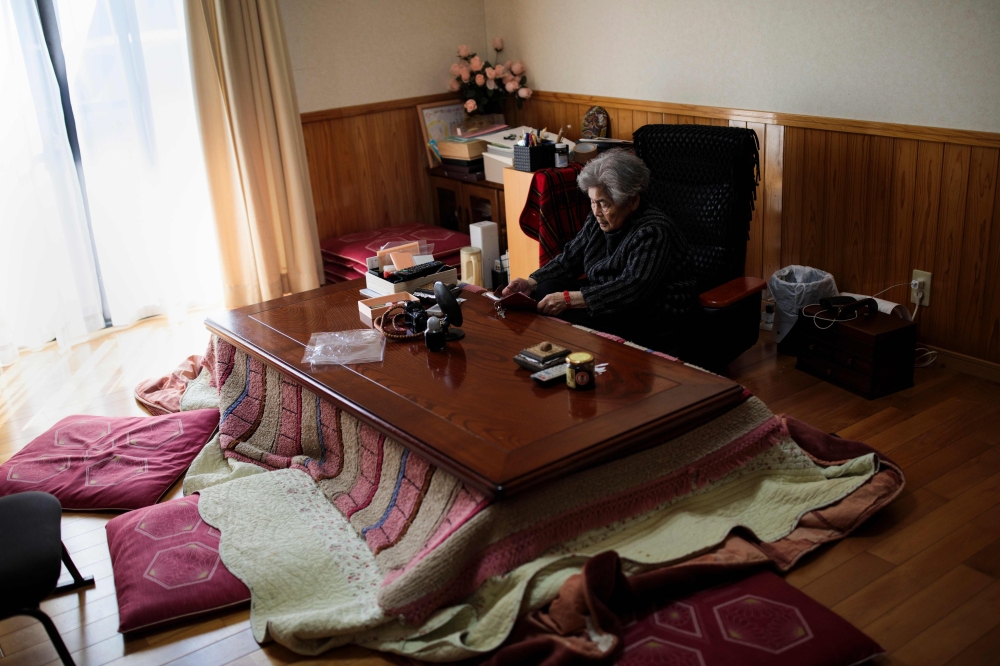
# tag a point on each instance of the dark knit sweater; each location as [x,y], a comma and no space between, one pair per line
[642,265]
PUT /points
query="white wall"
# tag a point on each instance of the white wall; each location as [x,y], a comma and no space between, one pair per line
[920,62]
[347,52]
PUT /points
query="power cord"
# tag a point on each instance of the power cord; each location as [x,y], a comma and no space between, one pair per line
[920,297]
[912,284]
[832,321]
[927,358]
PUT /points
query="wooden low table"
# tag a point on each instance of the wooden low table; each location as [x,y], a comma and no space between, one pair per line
[470,409]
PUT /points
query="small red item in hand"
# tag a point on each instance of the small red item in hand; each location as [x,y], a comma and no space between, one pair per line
[566,298]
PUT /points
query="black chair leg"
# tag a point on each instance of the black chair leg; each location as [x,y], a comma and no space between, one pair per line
[78,580]
[53,633]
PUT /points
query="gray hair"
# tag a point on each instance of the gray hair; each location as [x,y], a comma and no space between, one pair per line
[620,173]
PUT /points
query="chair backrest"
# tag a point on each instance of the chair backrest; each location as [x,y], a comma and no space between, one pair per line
[705,178]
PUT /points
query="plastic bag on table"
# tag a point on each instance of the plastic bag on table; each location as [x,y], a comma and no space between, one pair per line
[795,287]
[345,347]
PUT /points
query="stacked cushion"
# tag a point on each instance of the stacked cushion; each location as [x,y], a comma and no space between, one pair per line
[344,257]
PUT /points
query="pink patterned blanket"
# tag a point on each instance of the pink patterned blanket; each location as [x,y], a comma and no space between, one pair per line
[434,539]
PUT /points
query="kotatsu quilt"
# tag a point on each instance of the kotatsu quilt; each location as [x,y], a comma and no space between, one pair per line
[343,536]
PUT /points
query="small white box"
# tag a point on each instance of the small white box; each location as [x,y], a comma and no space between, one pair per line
[494,165]
[381,286]
[485,236]
[370,308]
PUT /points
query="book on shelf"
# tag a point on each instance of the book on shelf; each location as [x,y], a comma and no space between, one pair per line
[473,177]
[462,166]
[464,150]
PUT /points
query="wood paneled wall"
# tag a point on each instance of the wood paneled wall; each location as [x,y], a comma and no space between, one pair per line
[367,166]
[867,201]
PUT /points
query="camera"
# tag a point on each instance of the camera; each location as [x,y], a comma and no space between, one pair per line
[415,317]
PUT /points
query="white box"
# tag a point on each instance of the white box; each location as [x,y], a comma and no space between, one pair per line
[485,236]
[494,165]
[370,308]
[377,284]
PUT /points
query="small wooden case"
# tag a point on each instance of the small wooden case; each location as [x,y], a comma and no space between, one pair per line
[868,356]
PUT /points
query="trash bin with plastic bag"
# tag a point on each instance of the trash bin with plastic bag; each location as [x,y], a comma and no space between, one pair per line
[794,287]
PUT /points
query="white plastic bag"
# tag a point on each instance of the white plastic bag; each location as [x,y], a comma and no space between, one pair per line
[344,347]
[795,287]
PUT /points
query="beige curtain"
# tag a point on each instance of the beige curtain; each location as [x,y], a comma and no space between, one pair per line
[254,151]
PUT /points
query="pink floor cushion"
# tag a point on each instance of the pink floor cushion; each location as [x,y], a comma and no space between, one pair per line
[357,247]
[101,462]
[340,273]
[760,620]
[166,564]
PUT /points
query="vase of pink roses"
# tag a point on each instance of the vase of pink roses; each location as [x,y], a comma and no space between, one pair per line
[484,85]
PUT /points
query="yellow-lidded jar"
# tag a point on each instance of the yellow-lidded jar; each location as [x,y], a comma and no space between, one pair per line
[580,371]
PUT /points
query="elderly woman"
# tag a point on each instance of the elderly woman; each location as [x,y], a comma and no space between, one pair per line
[635,260]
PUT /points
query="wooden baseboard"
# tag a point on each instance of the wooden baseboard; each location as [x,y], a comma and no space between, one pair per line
[970,365]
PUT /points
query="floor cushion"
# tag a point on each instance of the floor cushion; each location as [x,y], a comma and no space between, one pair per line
[357,247]
[756,621]
[166,565]
[100,462]
[341,273]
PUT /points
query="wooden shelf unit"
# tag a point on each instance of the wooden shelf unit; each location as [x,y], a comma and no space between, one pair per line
[458,204]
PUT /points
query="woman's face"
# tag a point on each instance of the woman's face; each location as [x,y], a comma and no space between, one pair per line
[610,216]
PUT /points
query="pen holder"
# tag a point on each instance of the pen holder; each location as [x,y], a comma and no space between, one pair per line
[533,158]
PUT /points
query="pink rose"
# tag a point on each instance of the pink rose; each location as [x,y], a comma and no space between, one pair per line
[499,70]
[476,64]
[470,106]
[524,93]
[491,73]
[491,85]
[517,68]
[464,51]
[465,74]
[498,43]
[455,69]
[480,80]
[453,85]
[506,65]
[507,78]
[511,86]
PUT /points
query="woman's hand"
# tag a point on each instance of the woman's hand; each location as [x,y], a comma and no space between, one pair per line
[555,304]
[520,285]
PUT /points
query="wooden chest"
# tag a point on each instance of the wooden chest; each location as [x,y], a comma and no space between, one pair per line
[868,356]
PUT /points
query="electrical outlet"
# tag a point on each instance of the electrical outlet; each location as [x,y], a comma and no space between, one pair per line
[925,278]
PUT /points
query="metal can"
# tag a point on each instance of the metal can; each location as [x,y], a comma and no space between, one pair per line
[580,371]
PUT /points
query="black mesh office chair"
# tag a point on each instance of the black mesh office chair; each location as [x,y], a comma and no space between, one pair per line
[31,550]
[705,178]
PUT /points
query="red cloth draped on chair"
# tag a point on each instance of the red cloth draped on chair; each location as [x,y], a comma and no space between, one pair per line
[555,211]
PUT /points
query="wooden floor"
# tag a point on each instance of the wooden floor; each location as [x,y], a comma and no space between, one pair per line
[922,577]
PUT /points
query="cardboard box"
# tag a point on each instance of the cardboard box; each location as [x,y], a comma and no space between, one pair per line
[384,287]
[495,164]
[371,308]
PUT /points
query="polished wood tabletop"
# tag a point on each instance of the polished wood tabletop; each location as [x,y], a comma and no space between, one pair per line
[470,409]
